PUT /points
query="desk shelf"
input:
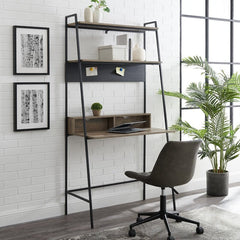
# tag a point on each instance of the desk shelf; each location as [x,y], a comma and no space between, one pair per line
[97,126]
[105,134]
[103,123]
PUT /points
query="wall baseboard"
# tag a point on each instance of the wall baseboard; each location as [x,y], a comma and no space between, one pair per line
[16,217]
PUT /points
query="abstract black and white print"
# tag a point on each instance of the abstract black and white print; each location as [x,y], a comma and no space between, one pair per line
[32,50]
[32,106]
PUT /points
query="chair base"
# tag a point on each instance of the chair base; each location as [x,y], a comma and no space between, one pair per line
[163,215]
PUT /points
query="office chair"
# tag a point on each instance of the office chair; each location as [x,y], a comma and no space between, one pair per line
[175,166]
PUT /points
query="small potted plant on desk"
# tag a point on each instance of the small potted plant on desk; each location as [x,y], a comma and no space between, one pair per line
[218,137]
[96,108]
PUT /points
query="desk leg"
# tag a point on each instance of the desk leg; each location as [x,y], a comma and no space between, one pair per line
[89,182]
[144,165]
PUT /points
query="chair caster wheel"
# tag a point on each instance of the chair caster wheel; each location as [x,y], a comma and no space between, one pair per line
[199,230]
[178,220]
[170,238]
[139,219]
[131,233]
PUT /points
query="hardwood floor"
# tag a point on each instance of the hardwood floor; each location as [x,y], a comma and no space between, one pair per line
[121,215]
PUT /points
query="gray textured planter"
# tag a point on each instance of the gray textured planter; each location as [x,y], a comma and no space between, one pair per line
[217,183]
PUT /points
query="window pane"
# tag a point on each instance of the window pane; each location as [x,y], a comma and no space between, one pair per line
[236,68]
[193,37]
[227,112]
[219,8]
[195,118]
[196,7]
[236,118]
[236,49]
[219,41]
[236,9]
[221,67]
[189,75]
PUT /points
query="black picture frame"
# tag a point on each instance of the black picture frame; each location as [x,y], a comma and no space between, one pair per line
[31,50]
[31,106]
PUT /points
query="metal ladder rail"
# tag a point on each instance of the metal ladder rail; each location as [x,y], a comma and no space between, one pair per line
[160,76]
[163,98]
[84,118]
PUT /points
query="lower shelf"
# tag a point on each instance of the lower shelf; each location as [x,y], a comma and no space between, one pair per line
[105,134]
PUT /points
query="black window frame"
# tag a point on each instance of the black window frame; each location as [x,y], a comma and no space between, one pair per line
[230,63]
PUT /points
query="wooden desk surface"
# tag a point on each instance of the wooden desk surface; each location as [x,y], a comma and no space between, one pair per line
[105,134]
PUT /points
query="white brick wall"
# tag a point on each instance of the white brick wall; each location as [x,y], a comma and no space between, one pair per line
[32,163]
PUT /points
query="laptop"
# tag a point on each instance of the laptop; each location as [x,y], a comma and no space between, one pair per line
[127,128]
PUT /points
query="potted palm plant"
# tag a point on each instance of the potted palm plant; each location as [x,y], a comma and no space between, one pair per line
[218,137]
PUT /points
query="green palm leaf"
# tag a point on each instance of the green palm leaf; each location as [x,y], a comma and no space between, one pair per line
[217,135]
[203,65]
[174,94]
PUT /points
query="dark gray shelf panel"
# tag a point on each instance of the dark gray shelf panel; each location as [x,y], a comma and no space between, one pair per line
[106,72]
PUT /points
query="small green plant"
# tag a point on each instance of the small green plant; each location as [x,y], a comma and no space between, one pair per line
[99,4]
[96,106]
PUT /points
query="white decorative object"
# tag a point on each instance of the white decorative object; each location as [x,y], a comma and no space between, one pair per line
[122,39]
[97,15]
[112,52]
[88,15]
[138,54]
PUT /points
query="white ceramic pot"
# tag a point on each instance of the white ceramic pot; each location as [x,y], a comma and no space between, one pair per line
[88,15]
[97,15]
[138,54]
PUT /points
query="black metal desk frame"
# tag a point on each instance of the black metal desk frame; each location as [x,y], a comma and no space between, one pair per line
[111,27]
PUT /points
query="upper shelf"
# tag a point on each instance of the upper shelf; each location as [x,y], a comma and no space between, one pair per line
[95,61]
[112,27]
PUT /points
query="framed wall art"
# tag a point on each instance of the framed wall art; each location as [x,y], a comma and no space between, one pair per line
[30,50]
[31,106]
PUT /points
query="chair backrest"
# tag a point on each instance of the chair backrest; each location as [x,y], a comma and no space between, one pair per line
[175,164]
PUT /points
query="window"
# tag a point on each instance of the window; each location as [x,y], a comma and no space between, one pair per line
[210,29]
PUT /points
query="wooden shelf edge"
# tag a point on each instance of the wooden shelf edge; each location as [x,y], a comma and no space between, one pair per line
[105,134]
[110,26]
[92,61]
[110,115]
